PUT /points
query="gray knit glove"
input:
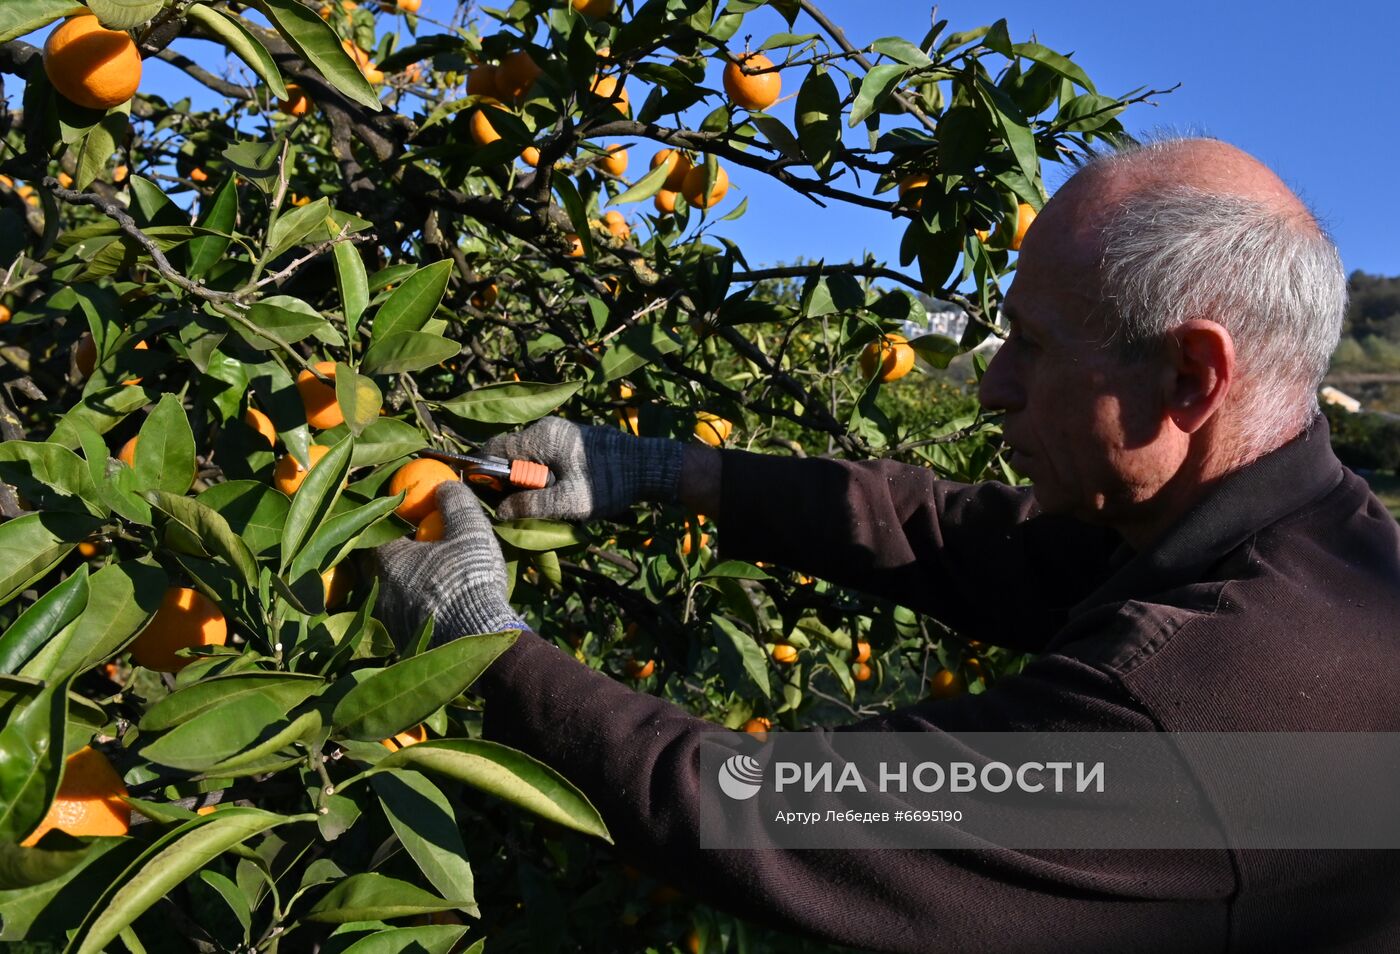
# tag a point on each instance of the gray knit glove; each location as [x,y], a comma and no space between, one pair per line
[459,580]
[598,471]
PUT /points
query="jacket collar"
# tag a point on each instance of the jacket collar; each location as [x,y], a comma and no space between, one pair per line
[1243,503]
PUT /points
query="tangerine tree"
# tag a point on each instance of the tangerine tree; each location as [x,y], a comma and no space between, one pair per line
[226,334]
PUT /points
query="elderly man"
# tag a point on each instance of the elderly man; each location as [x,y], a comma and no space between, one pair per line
[1191,557]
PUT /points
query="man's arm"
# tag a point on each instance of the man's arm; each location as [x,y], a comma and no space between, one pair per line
[981,558]
[637,759]
[699,487]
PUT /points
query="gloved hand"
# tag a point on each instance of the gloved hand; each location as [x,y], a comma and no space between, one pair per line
[598,471]
[459,580]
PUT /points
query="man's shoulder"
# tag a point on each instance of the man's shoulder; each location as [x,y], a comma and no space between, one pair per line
[1292,628]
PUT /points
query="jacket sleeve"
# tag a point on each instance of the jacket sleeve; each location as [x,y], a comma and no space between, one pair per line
[980,558]
[637,759]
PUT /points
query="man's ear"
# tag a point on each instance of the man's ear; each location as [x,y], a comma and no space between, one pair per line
[1202,369]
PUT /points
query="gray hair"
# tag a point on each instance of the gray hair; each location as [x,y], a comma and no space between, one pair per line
[1270,275]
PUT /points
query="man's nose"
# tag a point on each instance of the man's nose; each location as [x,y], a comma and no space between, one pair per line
[999,390]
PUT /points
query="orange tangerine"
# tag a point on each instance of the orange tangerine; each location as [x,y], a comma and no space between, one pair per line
[419,480]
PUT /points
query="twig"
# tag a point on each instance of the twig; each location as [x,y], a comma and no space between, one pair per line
[116,212]
[315,251]
[839,36]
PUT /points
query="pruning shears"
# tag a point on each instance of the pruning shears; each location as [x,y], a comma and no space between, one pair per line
[495,473]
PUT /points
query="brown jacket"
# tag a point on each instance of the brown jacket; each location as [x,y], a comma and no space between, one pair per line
[1273,606]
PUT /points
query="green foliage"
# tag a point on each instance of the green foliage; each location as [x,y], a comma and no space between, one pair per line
[257,254]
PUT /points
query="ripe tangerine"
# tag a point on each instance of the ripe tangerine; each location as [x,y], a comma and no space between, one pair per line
[752,91]
[946,684]
[89,801]
[288,474]
[419,480]
[694,187]
[891,357]
[91,65]
[322,409]
[712,429]
[261,423]
[186,618]
[517,74]
[677,164]
[615,162]
[1025,217]
[419,733]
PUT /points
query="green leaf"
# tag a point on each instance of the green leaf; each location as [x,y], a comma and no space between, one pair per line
[426,939]
[408,351]
[112,481]
[152,208]
[898,48]
[319,45]
[31,760]
[1059,63]
[333,539]
[254,510]
[937,350]
[875,88]
[285,690]
[1088,112]
[818,111]
[506,773]
[409,691]
[644,188]
[385,440]
[52,477]
[635,348]
[99,144]
[511,402]
[359,399]
[291,319]
[271,753]
[533,533]
[1014,128]
[258,162]
[315,498]
[735,570]
[353,285]
[241,43]
[409,306]
[102,411]
[216,733]
[122,597]
[736,646]
[295,227]
[124,14]
[49,614]
[173,859]
[19,19]
[213,532]
[232,896]
[33,544]
[165,451]
[426,825]
[376,897]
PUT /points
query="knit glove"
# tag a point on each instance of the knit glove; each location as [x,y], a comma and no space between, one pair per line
[598,471]
[460,580]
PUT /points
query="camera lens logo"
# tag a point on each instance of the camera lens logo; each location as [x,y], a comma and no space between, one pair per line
[740,777]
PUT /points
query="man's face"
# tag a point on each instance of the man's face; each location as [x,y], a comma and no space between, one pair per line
[1081,422]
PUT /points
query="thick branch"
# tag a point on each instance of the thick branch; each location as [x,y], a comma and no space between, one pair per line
[217,83]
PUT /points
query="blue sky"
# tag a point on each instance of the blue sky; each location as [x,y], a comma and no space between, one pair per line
[1310,90]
